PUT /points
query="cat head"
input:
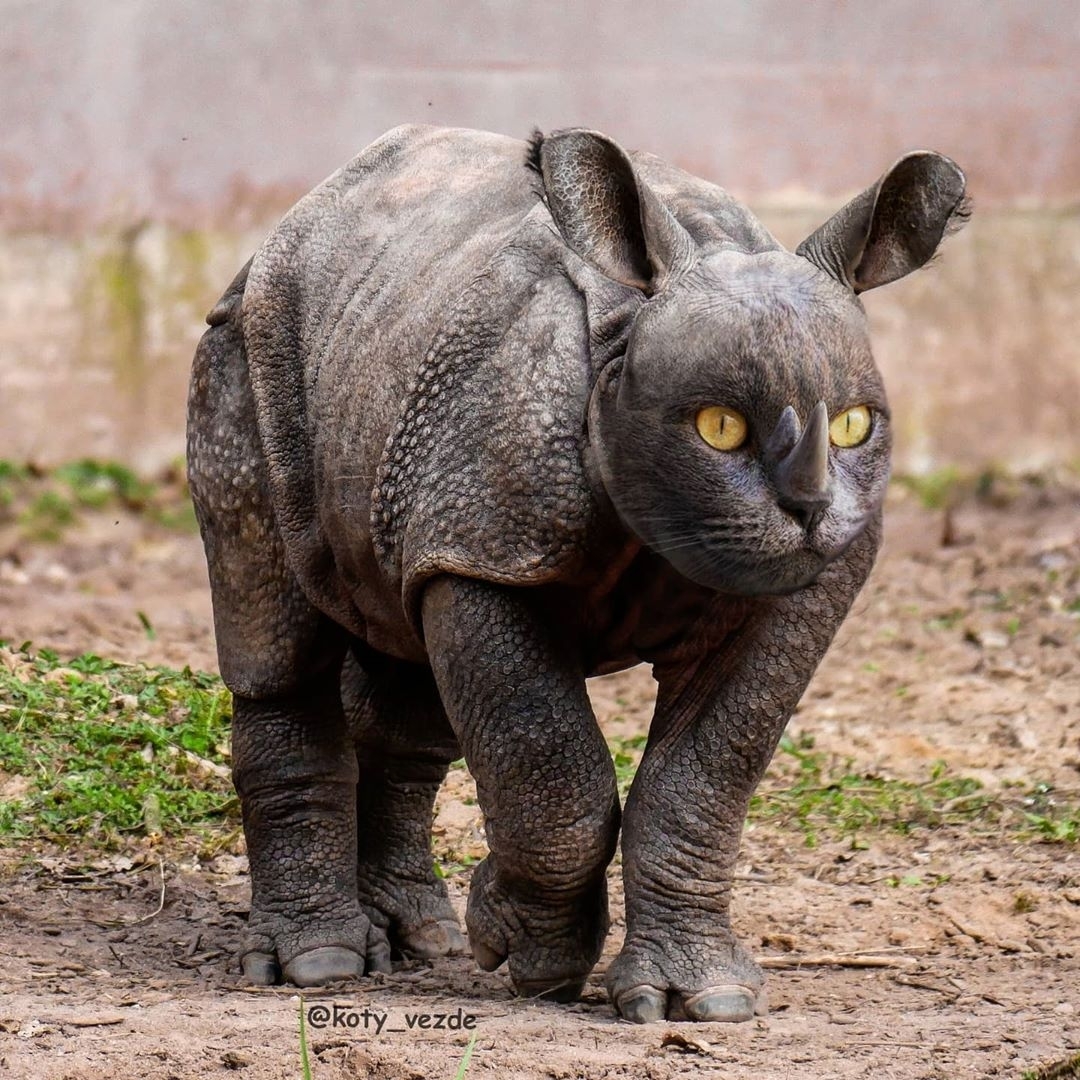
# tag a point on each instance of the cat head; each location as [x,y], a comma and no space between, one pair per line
[744,435]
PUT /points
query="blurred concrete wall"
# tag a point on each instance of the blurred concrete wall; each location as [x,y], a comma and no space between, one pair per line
[146,147]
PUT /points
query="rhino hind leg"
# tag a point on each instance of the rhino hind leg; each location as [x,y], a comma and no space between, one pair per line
[293,765]
[295,774]
[404,747]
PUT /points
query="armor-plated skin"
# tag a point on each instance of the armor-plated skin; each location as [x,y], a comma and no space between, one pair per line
[443,452]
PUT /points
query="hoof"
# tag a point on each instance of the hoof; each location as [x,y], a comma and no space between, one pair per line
[442,938]
[326,964]
[642,1004]
[378,956]
[261,968]
[730,1004]
[725,1004]
[485,956]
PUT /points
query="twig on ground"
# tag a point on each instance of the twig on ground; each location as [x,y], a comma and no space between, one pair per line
[161,899]
[852,960]
[919,984]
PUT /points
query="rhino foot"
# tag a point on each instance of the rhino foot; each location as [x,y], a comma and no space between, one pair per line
[551,946]
[276,949]
[718,982]
[414,911]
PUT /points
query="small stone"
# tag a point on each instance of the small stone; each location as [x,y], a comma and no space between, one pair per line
[55,574]
[95,1020]
[987,638]
[10,574]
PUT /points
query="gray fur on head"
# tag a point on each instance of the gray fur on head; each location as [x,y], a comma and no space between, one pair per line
[761,332]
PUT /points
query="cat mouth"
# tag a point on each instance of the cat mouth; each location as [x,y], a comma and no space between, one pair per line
[779,573]
[753,562]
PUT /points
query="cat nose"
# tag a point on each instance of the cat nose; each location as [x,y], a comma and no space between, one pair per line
[803,486]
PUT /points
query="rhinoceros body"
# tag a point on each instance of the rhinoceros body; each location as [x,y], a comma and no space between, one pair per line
[465,432]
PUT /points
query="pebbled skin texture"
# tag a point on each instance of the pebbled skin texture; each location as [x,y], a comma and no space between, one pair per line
[717,724]
[551,807]
[404,745]
[442,448]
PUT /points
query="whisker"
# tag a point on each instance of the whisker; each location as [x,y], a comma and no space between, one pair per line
[666,549]
[671,538]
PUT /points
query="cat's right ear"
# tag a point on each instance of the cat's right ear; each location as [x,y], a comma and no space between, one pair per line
[893,227]
[605,212]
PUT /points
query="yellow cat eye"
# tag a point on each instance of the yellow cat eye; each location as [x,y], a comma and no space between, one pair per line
[721,428]
[851,427]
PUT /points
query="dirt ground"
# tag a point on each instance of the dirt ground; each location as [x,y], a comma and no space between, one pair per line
[967,653]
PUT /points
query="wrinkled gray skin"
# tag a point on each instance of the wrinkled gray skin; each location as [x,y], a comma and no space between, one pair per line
[443,450]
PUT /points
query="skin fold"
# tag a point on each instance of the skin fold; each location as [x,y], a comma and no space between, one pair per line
[447,450]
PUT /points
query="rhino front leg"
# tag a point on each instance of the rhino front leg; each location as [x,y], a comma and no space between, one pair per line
[515,694]
[715,730]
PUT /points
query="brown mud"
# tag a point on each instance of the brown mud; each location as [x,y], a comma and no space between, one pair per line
[947,952]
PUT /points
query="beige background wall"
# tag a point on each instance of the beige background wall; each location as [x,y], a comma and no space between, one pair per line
[146,147]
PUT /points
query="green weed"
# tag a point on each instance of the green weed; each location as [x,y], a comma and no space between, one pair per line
[46,516]
[104,752]
[446,867]
[947,620]
[97,484]
[625,755]
[826,798]
[305,1062]
[466,1058]
[935,490]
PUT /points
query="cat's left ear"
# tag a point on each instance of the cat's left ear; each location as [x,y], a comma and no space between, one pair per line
[893,227]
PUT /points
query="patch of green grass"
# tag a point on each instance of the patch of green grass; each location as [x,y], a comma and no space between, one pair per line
[105,753]
[626,755]
[45,504]
[447,867]
[96,751]
[46,516]
[12,478]
[1049,819]
[99,483]
[947,620]
[825,798]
